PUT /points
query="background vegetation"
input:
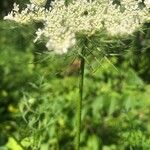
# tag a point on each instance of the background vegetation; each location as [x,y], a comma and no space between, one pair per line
[38,92]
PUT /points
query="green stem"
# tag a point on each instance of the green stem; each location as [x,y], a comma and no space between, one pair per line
[79,102]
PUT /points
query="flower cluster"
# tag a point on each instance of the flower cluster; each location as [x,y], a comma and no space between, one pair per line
[126,18]
[62,21]
[30,13]
[38,2]
[147,3]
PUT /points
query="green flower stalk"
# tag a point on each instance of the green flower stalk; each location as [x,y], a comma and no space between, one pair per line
[79,101]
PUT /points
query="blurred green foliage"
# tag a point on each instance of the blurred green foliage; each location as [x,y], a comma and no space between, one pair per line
[38,93]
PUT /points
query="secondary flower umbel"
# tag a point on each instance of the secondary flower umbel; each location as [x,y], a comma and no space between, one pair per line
[62,22]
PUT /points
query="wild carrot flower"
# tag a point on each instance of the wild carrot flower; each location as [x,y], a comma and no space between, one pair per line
[63,21]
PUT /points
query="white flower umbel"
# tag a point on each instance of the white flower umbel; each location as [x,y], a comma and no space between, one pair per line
[62,22]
